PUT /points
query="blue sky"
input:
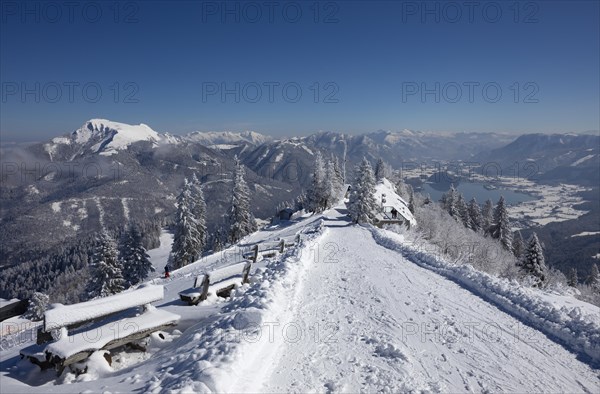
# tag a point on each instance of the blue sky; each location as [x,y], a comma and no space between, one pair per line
[359,66]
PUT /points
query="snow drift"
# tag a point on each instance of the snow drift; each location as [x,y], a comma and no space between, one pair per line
[576,330]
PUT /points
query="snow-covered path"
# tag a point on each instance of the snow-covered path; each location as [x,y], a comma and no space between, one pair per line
[367,322]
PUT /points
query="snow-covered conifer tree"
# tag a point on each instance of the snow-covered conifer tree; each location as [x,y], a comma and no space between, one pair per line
[301,202]
[402,189]
[518,245]
[362,204]
[38,303]
[329,186]
[106,277]
[593,279]
[339,176]
[317,192]
[241,219]
[572,278]
[487,217]
[462,210]
[501,226]
[449,201]
[187,240]
[217,242]
[475,219]
[337,181]
[134,258]
[533,262]
[411,200]
[379,170]
[199,212]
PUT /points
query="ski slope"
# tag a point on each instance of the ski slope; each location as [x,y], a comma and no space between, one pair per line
[339,313]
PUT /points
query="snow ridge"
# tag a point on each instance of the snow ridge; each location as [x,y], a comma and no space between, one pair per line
[574,329]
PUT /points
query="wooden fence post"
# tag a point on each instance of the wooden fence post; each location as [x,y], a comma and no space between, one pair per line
[255,255]
[281,245]
[246,272]
[205,284]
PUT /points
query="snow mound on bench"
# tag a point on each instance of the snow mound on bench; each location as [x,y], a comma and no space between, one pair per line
[65,315]
[98,338]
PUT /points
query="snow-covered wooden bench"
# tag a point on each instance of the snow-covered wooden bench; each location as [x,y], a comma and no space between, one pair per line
[271,249]
[126,326]
[219,282]
[222,281]
[197,293]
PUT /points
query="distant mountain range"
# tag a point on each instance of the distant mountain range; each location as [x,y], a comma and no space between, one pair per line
[566,158]
[106,173]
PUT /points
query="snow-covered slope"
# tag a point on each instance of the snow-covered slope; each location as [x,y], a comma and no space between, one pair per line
[350,309]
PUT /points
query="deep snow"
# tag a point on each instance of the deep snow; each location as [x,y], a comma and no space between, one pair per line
[342,312]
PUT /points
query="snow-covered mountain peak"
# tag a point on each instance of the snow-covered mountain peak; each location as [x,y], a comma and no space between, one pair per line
[110,136]
[388,137]
[101,136]
[104,137]
[210,138]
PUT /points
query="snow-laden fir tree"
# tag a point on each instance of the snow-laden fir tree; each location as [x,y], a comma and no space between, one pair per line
[317,193]
[217,241]
[379,170]
[533,262]
[339,175]
[475,219]
[330,185]
[462,210]
[106,276]
[362,204]
[187,242]
[448,201]
[518,245]
[38,303]
[241,220]
[199,211]
[593,280]
[337,181]
[301,202]
[411,200]
[402,189]
[572,279]
[501,226]
[135,260]
[408,190]
[487,217]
